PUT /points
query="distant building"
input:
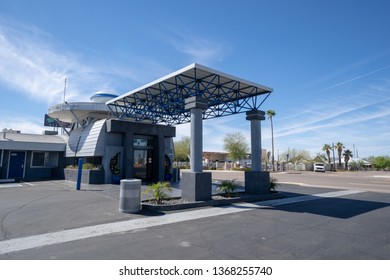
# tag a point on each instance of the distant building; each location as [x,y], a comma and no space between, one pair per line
[221,160]
[31,156]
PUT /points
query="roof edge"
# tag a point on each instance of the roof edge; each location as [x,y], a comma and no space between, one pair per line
[220,73]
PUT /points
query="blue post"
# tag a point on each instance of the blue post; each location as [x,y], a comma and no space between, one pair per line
[79,173]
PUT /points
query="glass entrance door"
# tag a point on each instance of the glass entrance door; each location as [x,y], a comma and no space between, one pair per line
[143,158]
[143,164]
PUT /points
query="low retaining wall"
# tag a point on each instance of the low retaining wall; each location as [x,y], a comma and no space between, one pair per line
[92,176]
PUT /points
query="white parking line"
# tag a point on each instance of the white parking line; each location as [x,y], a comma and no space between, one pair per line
[10,185]
[24,243]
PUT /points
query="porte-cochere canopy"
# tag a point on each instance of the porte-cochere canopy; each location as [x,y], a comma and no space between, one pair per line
[163,101]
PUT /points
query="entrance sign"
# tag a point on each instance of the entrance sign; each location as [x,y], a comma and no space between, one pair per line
[49,121]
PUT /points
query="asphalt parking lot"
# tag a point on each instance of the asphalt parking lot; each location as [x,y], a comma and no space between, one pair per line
[320,216]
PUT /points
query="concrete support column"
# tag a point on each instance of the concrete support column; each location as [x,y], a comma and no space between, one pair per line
[196,185]
[256,145]
[196,145]
[255,117]
[256,181]
[196,105]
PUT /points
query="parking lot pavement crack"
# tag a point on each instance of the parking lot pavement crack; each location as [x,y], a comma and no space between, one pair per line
[3,230]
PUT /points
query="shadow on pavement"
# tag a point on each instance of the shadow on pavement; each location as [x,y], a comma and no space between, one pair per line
[341,208]
[336,207]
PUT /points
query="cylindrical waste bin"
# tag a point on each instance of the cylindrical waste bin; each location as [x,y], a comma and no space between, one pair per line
[130,196]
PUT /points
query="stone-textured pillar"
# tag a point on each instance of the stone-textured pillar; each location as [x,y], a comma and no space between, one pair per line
[256,181]
[196,185]
[255,117]
[196,105]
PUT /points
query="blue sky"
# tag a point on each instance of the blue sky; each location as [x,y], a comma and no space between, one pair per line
[327,61]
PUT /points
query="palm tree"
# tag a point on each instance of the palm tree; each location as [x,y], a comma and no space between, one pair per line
[340,147]
[347,155]
[327,148]
[267,160]
[271,113]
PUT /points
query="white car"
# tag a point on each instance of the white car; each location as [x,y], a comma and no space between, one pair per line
[319,167]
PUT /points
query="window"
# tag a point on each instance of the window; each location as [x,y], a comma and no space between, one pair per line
[143,142]
[1,157]
[44,159]
[40,159]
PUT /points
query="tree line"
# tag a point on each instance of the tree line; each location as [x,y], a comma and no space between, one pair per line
[347,154]
[380,162]
[235,144]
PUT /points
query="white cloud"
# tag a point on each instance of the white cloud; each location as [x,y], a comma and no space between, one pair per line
[24,123]
[31,65]
[351,68]
[354,78]
[199,49]
[136,69]
[366,126]
[367,104]
[182,130]
[36,64]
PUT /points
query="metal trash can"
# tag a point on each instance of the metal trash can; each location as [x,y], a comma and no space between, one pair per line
[130,196]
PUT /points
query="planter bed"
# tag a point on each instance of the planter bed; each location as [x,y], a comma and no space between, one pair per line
[217,200]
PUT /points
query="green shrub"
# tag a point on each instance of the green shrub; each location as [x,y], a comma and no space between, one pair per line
[71,167]
[273,184]
[382,162]
[158,191]
[116,170]
[227,186]
[88,166]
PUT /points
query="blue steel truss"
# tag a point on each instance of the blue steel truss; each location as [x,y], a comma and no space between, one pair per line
[164,101]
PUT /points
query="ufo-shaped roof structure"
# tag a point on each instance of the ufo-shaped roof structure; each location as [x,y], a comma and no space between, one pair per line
[71,112]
